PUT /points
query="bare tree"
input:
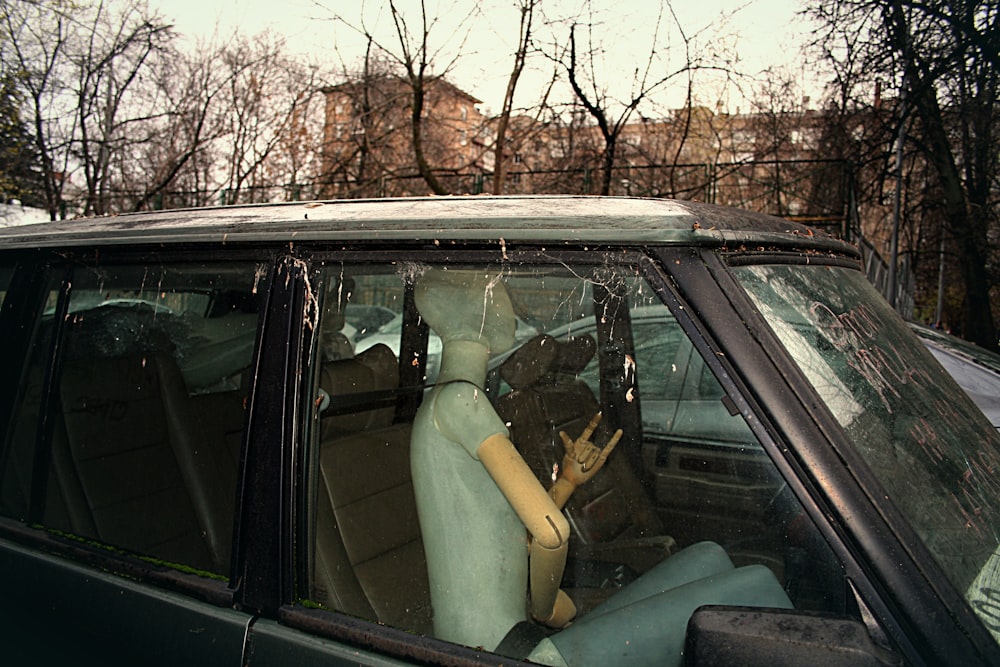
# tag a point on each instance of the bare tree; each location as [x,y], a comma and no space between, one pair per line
[35,38]
[117,111]
[173,164]
[265,94]
[365,142]
[609,114]
[89,97]
[527,10]
[414,56]
[423,68]
[116,48]
[295,160]
[943,56]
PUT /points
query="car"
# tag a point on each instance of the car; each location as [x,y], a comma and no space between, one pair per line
[976,370]
[367,320]
[389,334]
[594,430]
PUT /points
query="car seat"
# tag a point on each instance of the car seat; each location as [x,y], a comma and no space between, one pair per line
[612,517]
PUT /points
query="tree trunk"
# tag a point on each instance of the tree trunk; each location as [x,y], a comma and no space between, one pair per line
[416,120]
[968,229]
[499,167]
[608,163]
[968,224]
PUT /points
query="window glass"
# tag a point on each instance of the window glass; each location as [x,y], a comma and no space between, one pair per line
[417,522]
[134,441]
[17,457]
[902,411]
[6,273]
[361,312]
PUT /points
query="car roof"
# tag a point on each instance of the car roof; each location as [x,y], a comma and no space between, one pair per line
[549,219]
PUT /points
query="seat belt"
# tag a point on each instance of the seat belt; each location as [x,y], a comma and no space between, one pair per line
[522,639]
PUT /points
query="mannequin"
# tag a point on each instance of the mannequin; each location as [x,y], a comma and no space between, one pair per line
[475,494]
[496,541]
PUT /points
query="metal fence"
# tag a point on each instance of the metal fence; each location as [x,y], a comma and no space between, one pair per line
[819,193]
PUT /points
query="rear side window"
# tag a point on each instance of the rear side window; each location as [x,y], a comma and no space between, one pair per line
[6,273]
[128,424]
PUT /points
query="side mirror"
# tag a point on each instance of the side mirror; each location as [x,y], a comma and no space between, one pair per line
[751,636]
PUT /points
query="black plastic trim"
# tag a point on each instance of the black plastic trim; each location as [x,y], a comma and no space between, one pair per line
[212,589]
[744,258]
[389,641]
[19,318]
[263,570]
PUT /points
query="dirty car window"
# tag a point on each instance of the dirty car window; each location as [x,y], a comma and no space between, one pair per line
[138,431]
[933,451]
[408,530]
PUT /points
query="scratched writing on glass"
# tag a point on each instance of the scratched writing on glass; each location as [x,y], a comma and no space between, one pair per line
[935,423]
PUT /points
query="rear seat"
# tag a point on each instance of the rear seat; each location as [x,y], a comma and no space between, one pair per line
[369,559]
[134,460]
[138,459]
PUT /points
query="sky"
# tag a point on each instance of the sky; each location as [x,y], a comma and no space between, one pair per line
[760,33]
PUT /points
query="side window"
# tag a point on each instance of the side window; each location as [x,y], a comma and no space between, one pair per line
[360,311]
[6,273]
[661,353]
[129,423]
[366,553]
[443,502]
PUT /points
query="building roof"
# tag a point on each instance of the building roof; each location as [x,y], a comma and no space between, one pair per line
[545,219]
[436,84]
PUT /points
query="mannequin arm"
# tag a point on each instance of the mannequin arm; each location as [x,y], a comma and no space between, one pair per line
[546,525]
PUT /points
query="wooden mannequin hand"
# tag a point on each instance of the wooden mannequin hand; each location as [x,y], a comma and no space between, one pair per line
[583,458]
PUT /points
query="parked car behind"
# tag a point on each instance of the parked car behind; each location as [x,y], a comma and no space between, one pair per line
[976,370]
[593,431]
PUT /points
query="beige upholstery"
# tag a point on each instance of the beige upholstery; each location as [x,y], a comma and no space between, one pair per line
[334,344]
[546,397]
[65,504]
[369,557]
[206,434]
[142,463]
[134,461]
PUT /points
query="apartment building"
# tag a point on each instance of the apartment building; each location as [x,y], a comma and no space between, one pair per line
[764,161]
[368,136]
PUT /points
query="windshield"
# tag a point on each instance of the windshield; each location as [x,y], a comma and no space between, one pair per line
[934,452]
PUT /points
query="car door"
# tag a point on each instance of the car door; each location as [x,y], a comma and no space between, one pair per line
[124,409]
[348,547]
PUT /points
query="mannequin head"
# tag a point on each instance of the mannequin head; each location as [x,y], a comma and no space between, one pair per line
[471,306]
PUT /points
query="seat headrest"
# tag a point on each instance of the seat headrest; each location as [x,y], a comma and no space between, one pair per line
[542,355]
[529,362]
[374,369]
[574,354]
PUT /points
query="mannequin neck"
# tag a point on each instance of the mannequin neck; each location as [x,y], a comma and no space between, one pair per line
[464,360]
